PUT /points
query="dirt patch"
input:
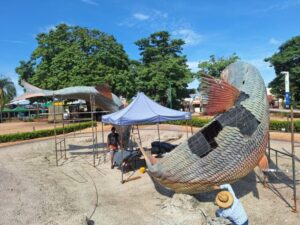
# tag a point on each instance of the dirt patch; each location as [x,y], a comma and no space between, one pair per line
[34,191]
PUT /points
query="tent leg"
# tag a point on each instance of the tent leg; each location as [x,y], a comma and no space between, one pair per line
[122,166]
[137,126]
[158,136]
[187,129]
[103,139]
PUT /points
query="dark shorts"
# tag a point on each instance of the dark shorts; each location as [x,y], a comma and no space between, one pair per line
[246,223]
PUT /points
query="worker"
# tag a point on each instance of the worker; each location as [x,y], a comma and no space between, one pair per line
[113,142]
[229,206]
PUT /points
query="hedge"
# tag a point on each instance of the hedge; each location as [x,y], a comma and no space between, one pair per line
[195,122]
[275,125]
[43,133]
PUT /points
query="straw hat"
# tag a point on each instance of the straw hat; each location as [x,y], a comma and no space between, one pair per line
[224,199]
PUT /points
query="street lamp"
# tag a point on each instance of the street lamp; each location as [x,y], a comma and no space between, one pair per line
[170,88]
[170,94]
[287,88]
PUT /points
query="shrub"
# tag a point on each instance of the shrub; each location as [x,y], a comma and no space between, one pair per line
[44,133]
[275,125]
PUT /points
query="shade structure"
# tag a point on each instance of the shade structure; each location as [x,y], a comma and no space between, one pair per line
[144,110]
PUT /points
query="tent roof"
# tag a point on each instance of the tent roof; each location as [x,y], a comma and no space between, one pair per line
[6,110]
[144,110]
[22,109]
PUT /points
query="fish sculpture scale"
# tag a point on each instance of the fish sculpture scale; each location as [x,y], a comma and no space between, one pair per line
[231,145]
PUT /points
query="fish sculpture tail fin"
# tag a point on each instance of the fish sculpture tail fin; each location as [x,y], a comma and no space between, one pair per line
[221,95]
[104,90]
[30,88]
[263,163]
[30,91]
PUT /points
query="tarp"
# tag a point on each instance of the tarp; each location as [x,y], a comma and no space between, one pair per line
[144,110]
[6,110]
[22,109]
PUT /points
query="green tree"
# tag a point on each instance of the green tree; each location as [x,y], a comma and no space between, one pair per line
[71,55]
[163,73]
[7,92]
[214,66]
[286,59]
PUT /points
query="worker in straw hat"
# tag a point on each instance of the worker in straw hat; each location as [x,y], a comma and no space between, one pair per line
[229,206]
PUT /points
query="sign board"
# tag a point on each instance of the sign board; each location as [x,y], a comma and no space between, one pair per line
[287,100]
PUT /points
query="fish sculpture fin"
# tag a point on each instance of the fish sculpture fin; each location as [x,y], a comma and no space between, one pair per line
[263,163]
[104,90]
[221,95]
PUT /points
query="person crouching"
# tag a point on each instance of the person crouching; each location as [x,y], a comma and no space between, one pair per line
[230,207]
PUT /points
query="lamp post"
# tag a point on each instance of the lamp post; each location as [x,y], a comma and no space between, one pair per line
[170,88]
[170,94]
[287,88]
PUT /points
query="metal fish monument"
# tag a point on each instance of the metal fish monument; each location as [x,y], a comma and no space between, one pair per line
[103,96]
[231,145]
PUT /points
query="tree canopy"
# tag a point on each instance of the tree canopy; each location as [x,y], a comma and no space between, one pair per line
[71,55]
[286,59]
[163,73]
[214,66]
[7,92]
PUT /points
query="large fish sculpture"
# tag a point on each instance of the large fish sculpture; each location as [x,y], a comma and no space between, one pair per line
[227,148]
[102,96]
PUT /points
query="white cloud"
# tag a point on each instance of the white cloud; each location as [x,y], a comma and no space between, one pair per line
[274,41]
[160,14]
[153,18]
[264,68]
[193,65]
[12,41]
[260,64]
[47,28]
[282,5]
[141,16]
[189,36]
[90,2]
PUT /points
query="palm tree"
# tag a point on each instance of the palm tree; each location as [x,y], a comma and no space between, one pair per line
[7,92]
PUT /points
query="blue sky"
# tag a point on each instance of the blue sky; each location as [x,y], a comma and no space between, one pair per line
[252,29]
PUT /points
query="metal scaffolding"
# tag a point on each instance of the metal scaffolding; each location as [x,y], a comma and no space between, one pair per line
[60,139]
[291,155]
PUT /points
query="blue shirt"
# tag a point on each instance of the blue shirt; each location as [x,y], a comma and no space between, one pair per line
[236,212]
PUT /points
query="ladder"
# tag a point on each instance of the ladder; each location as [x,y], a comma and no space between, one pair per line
[135,135]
